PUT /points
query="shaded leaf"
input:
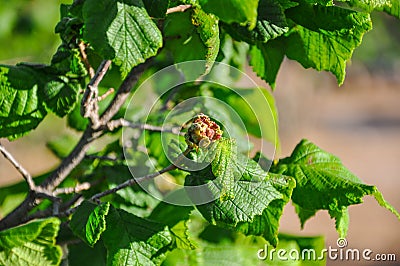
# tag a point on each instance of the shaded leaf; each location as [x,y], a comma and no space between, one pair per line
[271,23]
[170,214]
[89,221]
[156,8]
[80,254]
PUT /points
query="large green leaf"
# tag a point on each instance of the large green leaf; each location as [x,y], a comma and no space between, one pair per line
[131,240]
[122,31]
[256,207]
[193,35]
[229,11]
[79,254]
[31,244]
[325,37]
[324,183]
[222,166]
[89,221]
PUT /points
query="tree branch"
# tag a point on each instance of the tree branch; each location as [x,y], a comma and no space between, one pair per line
[19,214]
[25,174]
[89,105]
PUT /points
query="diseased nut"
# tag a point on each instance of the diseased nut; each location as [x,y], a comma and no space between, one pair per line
[202,132]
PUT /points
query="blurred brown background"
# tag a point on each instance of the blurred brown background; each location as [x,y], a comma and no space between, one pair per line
[359,121]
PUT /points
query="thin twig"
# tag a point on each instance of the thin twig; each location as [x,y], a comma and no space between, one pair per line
[82,49]
[108,92]
[125,123]
[69,190]
[180,8]
[25,174]
[89,105]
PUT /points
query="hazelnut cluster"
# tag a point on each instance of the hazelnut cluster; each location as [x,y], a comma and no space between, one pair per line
[202,131]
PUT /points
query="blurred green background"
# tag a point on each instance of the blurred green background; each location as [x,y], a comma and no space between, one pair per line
[359,122]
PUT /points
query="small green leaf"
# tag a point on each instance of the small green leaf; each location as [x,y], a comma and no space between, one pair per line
[125,33]
[324,183]
[89,221]
[230,11]
[33,243]
[193,35]
[131,240]
[325,37]
[60,96]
